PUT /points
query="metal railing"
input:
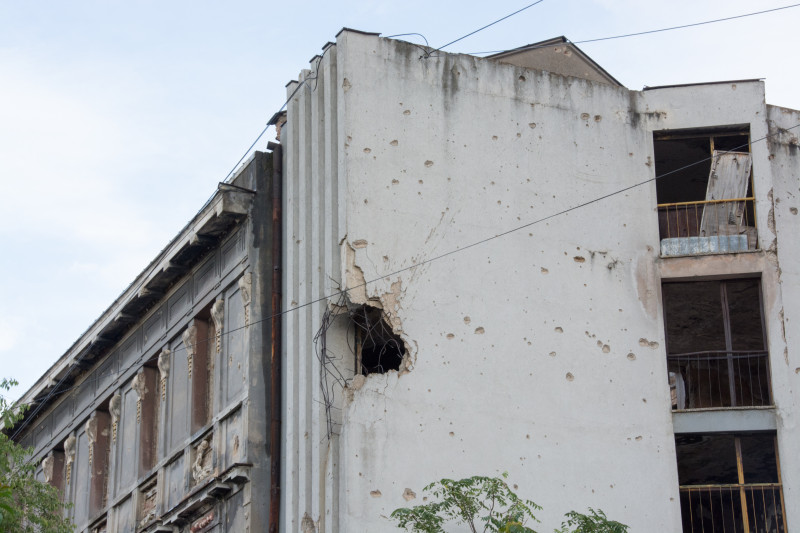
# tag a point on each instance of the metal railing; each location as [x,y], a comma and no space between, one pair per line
[712,225]
[719,379]
[746,508]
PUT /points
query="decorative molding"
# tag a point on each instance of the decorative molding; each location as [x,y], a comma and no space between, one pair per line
[163,369]
[245,287]
[47,467]
[115,408]
[218,315]
[202,523]
[201,467]
[140,388]
[91,434]
[69,451]
[190,344]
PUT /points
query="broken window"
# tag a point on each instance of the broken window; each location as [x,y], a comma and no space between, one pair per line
[704,190]
[730,482]
[716,348]
[377,348]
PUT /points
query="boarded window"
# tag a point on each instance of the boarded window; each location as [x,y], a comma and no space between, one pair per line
[704,190]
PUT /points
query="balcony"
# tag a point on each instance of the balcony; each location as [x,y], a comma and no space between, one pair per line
[704,191]
[717,354]
[730,483]
[718,379]
[707,226]
[733,508]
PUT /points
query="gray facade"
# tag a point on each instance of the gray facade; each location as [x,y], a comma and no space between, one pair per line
[156,419]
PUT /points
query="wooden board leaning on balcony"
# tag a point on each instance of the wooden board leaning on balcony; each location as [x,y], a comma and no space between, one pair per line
[726,181]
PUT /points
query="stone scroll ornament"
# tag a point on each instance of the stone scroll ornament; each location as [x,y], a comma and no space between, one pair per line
[190,343]
[115,408]
[218,314]
[163,369]
[139,387]
[91,434]
[47,467]
[201,468]
[69,451]
[245,286]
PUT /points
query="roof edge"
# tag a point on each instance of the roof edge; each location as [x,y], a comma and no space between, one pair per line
[227,202]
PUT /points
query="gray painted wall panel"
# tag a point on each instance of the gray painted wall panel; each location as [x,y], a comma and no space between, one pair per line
[130,351]
[179,303]
[205,277]
[85,393]
[233,353]
[235,514]
[123,516]
[43,431]
[154,326]
[177,419]
[108,371]
[232,252]
[174,482]
[80,480]
[127,442]
[234,442]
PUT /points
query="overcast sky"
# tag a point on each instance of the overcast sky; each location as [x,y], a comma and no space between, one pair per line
[117,119]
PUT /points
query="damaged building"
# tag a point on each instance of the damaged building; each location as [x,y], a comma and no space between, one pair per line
[351,317]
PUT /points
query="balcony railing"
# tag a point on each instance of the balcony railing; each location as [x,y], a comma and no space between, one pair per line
[719,379]
[709,226]
[751,508]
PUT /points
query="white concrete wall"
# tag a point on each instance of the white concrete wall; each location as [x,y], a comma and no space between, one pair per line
[784,154]
[539,353]
[313,230]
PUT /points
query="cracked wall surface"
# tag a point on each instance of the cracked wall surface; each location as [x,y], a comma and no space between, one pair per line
[550,338]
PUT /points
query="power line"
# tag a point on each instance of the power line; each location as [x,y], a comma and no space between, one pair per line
[426,54]
[687,25]
[682,26]
[488,25]
[344,292]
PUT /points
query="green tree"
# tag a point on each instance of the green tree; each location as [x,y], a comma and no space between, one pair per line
[26,505]
[487,504]
[595,522]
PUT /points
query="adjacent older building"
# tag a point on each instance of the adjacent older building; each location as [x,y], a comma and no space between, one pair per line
[157,418]
[488,264]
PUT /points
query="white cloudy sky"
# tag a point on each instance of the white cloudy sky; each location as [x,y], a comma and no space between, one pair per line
[117,119]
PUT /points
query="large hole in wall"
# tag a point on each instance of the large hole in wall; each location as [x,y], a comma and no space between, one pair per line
[377,348]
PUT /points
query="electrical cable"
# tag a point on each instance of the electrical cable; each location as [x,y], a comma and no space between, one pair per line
[487,26]
[682,26]
[344,292]
[687,25]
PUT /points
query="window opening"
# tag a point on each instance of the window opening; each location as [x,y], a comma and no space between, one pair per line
[716,349]
[377,348]
[709,206]
[730,482]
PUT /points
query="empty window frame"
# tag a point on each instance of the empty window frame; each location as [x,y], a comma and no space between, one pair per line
[716,347]
[730,483]
[706,192]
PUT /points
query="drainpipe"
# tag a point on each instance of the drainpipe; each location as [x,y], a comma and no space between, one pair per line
[275,341]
